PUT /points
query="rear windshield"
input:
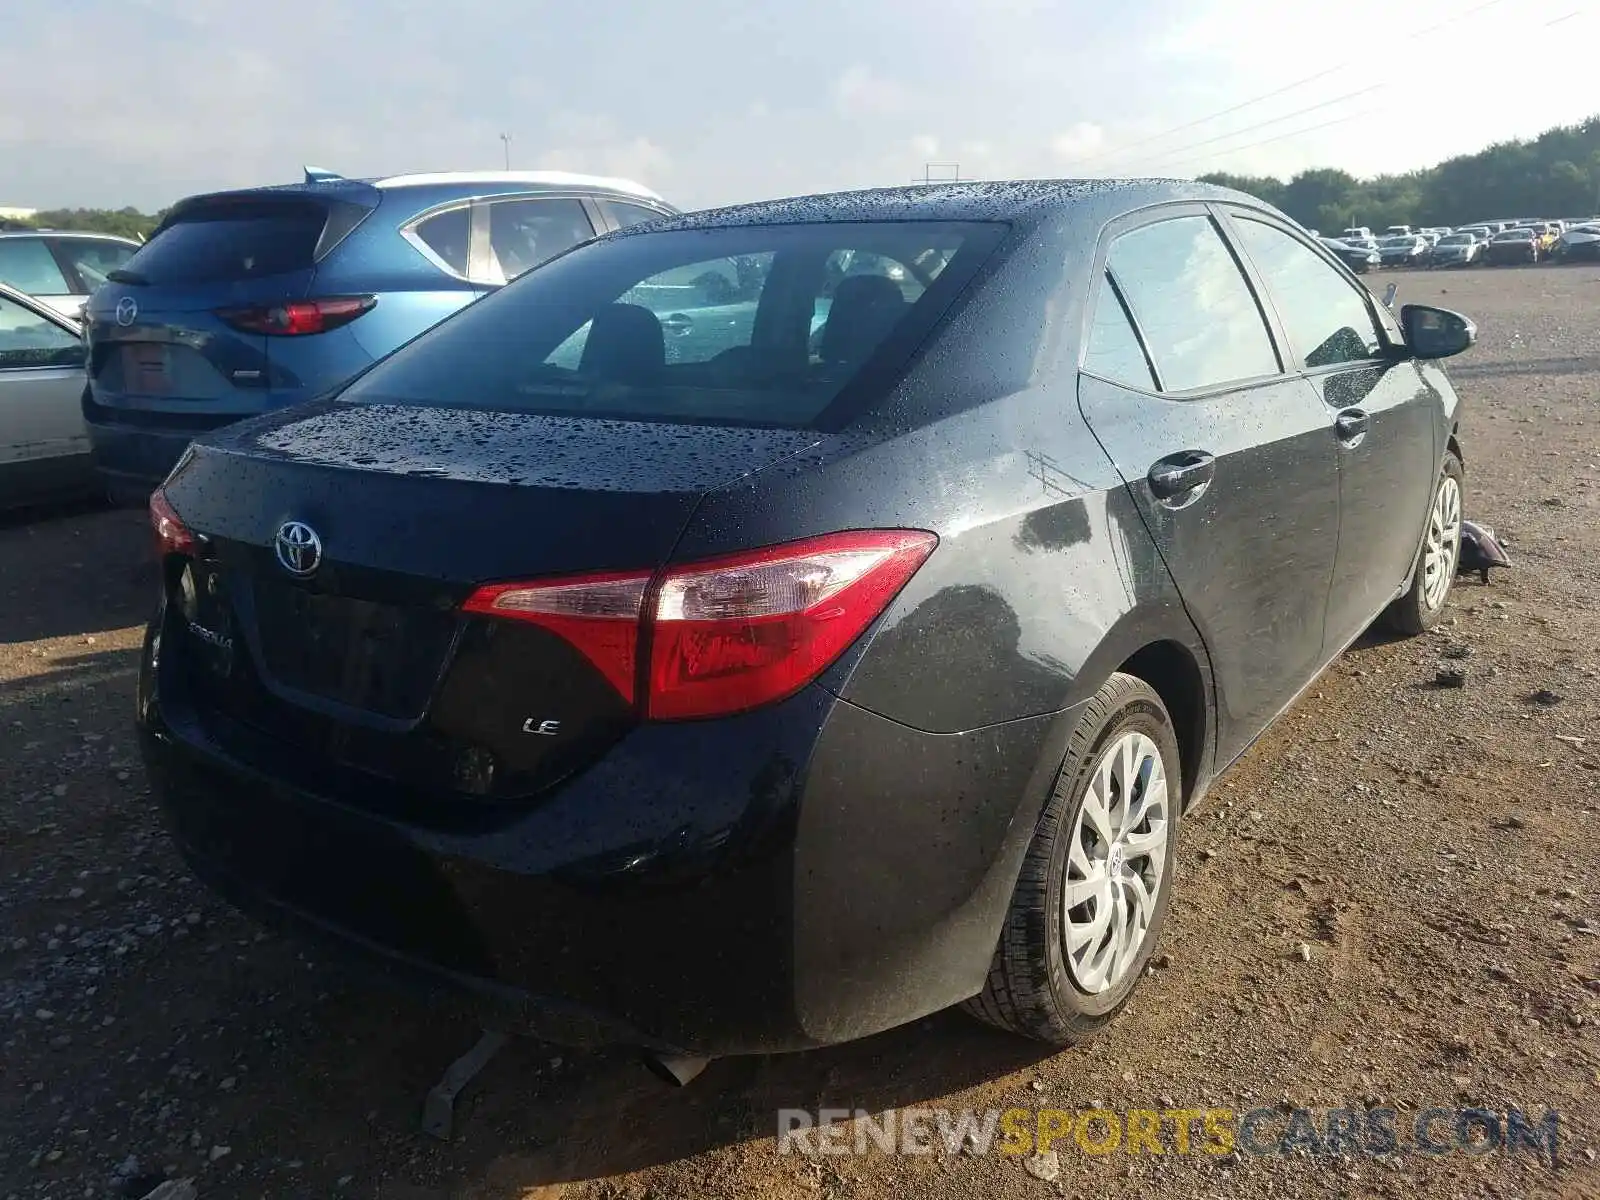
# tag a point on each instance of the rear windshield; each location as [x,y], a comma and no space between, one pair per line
[787,325]
[226,242]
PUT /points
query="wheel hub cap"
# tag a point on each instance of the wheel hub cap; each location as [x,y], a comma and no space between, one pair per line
[1115,863]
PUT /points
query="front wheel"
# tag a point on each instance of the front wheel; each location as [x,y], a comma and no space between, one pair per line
[1092,897]
[1435,573]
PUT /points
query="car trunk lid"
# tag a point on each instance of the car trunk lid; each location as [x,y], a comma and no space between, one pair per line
[366,660]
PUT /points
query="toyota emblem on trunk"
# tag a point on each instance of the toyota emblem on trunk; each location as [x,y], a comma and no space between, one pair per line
[127,310]
[299,548]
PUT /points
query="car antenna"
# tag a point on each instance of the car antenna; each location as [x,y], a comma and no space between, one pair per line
[320,174]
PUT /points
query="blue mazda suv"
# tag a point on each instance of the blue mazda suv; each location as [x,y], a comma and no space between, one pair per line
[252,300]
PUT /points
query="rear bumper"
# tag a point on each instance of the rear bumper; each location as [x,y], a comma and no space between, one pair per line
[803,874]
[132,460]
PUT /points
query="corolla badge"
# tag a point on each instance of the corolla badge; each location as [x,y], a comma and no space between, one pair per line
[127,310]
[299,548]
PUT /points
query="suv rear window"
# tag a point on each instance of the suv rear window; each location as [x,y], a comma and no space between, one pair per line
[787,325]
[226,242]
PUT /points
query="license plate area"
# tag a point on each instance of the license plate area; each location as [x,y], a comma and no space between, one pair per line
[147,368]
[379,658]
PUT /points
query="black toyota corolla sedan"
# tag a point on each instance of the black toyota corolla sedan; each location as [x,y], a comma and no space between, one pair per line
[763,627]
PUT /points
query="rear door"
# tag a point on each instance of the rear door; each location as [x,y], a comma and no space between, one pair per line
[41,376]
[1387,425]
[1229,460]
[159,338]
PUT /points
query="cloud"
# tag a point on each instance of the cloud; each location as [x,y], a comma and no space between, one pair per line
[861,93]
[1083,138]
[925,144]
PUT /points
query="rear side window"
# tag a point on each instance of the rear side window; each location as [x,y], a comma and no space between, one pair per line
[1194,307]
[1326,318]
[92,258]
[227,242]
[448,235]
[1114,352]
[791,325]
[27,265]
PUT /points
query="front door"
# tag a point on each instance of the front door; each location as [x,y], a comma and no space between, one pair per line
[41,418]
[1387,429]
[1229,460]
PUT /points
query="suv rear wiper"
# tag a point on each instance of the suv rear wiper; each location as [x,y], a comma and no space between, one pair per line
[129,277]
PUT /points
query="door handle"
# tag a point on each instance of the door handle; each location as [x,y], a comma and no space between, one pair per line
[1351,426]
[1182,472]
[677,324]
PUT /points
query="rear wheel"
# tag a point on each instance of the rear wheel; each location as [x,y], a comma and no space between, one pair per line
[1435,573]
[1092,897]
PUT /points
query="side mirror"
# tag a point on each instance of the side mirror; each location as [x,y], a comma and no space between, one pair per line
[1436,332]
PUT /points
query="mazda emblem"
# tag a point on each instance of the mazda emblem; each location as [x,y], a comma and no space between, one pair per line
[299,548]
[127,311]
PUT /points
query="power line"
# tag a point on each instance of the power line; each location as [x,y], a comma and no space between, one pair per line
[1299,83]
[1366,112]
[1222,137]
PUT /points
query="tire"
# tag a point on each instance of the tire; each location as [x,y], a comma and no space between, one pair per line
[1036,986]
[1413,613]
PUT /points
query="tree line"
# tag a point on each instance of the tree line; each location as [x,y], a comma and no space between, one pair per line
[125,222]
[1556,174]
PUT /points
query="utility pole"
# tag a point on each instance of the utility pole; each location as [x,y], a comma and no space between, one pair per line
[949,172]
[506,138]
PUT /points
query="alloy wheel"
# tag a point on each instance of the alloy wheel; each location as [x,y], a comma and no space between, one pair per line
[1115,863]
[1443,549]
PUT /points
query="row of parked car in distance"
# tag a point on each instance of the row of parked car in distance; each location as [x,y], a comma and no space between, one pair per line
[1491,243]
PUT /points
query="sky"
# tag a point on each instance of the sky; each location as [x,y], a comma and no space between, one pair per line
[105,103]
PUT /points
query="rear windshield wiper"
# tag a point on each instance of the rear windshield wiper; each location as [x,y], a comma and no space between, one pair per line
[128,277]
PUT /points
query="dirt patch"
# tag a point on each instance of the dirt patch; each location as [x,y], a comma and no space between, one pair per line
[1393,901]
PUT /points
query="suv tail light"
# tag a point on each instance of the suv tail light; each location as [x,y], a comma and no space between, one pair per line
[726,634]
[296,317]
[172,535]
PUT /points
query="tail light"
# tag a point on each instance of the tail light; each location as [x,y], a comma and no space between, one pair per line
[726,634]
[296,317]
[172,535]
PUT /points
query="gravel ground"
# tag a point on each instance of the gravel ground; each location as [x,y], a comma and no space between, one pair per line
[1391,901]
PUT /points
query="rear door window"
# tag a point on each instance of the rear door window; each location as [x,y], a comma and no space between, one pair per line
[792,325]
[29,340]
[27,265]
[228,242]
[1198,315]
[525,233]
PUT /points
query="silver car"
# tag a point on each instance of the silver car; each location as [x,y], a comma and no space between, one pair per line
[44,447]
[61,267]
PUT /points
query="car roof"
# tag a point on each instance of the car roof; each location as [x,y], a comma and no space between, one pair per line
[66,233]
[538,179]
[1020,201]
